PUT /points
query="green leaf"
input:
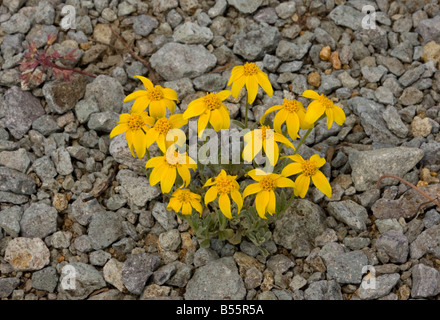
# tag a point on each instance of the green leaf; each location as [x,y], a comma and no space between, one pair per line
[238,123]
[205,243]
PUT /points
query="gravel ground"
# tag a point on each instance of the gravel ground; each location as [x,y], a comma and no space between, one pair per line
[55,151]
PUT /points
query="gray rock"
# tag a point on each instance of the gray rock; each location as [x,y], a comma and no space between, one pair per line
[296,50]
[9,197]
[192,33]
[21,109]
[137,270]
[103,121]
[369,166]
[411,75]
[83,244]
[329,83]
[7,286]
[181,277]
[78,281]
[45,279]
[174,61]
[347,267]
[121,153]
[404,52]
[426,242]
[370,114]
[210,82]
[61,96]
[10,220]
[218,9]
[429,29]
[356,243]
[113,273]
[285,10]
[62,161]
[392,64]
[17,160]
[431,153]
[432,218]
[82,211]
[298,226]
[217,280]
[165,218]
[84,108]
[350,213]
[16,182]
[393,120]
[136,188]
[373,74]
[38,221]
[323,290]
[383,286]
[112,294]
[254,44]
[204,255]
[280,263]
[45,125]
[395,245]
[346,16]
[170,240]
[45,13]
[18,23]
[143,25]
[184,87]
[61,239]
[99,257]
[385,225]
[411,96]
[14,5]
[266,15]
[163,5]
[164,273]
[245,6]
[108,93]
[425,281]
[104,229]
[26,254]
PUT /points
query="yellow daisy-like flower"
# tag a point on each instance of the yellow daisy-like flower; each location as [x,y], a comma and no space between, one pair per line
[135,126]
[158,133]
[265,201]
[322,105]
[250,75]
[224,186]
[185,200]
[309,170]
[165,169]
[210,108]
[264,138]
[158,99]
[291,112]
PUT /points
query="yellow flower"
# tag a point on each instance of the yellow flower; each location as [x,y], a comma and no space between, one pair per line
[162,126]
[322,105]
[211,109]
[157,98]
[265,201]
[165,169]
[251,76]
[291,112]
[265,138]
[224,186]
[308,169]
[185,200]
[135,126]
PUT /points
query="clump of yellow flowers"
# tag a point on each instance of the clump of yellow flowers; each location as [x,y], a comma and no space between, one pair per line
[228,201]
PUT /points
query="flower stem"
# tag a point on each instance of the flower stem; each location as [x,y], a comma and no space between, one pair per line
[303,139]
[148,154]
[246,114]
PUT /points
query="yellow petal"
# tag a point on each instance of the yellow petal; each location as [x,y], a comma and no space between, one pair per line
[225,116]
[292,122]
[283,182]
[140,104]
[186,208]
[237,85]
[296,158]
[302,184]
[135,95]
[222,95]
[211,194]
[257,174]
[120,128]
[157,109]
[279,119]
[321,182]
[160,140]
[146,82]
[252,89]
[167,180]
[280,138]
[169,94]
[169,104]
[236,73]
[177,121]
[184,174]
[272,151]
[329,114]
[261,201]
[319,162]
[236,196]
[209,182]
[251,189]
[310,94]
[140,144]
[197,206]
[339,115]
[225,205]
[271,205]
[216,120]
[154,162]
[174,204]
[194,109]
[156,174]
[264,82]
[202,123]
[271,109]
[314,111]
[291,169]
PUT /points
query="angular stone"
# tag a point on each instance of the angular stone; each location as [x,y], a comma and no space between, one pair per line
[108,93]
[104,229]
[346,16]
[38,221]
[245,6]
[347,267]
[165,218]
[113,273]
[296,50]
[427,242]
[17,160]
[426,281]
[143,25]
[192,33]
[383,286]
[369,166]
[82,211]
[20,109]
[349,212]
[174,61]
[323,290]
[45,279]
[395,245]
[217,280]
[136,188]
[26,254]
[254,44]
[429,29]
[137,270]
[7,286]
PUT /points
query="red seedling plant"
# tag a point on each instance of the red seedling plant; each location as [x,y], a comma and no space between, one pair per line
[34,59]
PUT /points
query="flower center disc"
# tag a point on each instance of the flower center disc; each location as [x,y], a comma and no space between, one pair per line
[184,196]
[267,184]
[291,105]
[155,94]
[250,69]
[162,125]
[135,122]
[224,185]
[212,102]
[266,132]
[309,168]
[175,159]
[326,102]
